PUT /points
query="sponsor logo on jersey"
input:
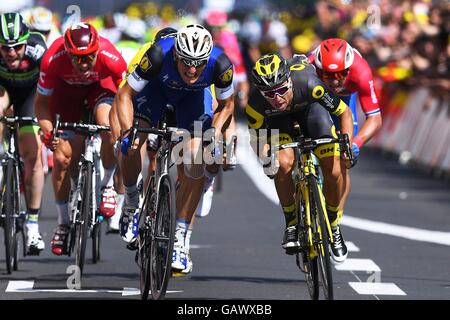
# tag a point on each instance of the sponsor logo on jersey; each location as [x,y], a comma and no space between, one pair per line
[110,55]
[145,64]
[373,95]
[227,75]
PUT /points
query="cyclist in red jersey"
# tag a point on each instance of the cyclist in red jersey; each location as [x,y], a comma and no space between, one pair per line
[347,74]
[81,68]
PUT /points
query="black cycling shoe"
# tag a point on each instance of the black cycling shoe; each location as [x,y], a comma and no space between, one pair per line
[290,240]
[338,249]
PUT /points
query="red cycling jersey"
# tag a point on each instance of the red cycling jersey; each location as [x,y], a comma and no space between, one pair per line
[70,92]
[360,80]
[57,65]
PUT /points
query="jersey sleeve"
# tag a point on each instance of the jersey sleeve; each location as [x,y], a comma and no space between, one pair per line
[149,66]
[47,74]
[223,77]
[115,64]
[366,93]
[318,92]
[36,48]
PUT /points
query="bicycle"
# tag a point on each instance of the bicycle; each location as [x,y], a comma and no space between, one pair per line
[313,255]
[85,219]
[12,216]
[156,232]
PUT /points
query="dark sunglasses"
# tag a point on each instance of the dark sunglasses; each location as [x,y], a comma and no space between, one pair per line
[281,91]
[88,58]
[16,47]
[334,75]
[193,63]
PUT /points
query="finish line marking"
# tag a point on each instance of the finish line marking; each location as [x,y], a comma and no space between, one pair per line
[27,287]
[374,288]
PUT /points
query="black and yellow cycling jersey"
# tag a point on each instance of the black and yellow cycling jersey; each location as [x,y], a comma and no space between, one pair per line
[311,107]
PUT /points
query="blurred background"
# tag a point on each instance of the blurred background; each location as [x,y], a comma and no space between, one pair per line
[405,42]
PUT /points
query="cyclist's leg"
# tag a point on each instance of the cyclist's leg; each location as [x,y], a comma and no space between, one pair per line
[131,164]
[284,183]
[30,151]
[319,124]
[68,103]
[194,107]
[100,100]
[351,101]
[4,104]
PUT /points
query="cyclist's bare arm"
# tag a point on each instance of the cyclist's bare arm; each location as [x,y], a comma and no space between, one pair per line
[43,113]
[370,128]
[123,108]
[223,115]
[346,121]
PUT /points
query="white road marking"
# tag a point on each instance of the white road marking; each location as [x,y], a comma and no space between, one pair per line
[200,246]
[374,288]
[366,265]
[351,247]
[250,164]
[27,287]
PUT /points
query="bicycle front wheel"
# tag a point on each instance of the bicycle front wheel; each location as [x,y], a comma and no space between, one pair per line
[82,224]
[321,240]
[144,238]
[306,263]
[163,234]
[9,210]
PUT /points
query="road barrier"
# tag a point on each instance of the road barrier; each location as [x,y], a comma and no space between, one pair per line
[416,127]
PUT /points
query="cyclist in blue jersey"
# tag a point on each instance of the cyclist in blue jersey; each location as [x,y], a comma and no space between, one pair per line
[178,71]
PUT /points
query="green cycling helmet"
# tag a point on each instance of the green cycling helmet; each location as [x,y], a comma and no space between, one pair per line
[13,30]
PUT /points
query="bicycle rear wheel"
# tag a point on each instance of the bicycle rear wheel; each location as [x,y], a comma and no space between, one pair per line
[163,234]
[322,241]
[82,225]
[9,210]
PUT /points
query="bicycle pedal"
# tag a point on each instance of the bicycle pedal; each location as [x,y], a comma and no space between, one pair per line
[292,251]
[178,274]
[132,246]
[33,252]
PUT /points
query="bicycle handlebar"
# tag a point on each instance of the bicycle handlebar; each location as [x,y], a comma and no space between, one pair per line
[308,144]
[14,119]
[83,128]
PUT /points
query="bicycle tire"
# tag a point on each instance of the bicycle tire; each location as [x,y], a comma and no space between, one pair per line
[322,243]
[8,210]
[144,239]
[96,240]
[97,229]
[163,235]
[82,225]
[309,265]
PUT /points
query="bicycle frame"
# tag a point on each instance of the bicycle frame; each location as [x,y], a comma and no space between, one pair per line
[89,155]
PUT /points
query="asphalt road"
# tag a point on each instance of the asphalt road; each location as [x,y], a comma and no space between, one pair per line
[390,225]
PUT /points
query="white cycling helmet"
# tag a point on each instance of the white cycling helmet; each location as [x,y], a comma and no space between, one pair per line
[41,19]
[193,42]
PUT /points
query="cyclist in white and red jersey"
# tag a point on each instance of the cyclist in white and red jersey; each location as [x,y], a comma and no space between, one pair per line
[347,74]
[81,68]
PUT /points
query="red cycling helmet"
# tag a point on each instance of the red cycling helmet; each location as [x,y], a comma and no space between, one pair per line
[81,39]
[334,55]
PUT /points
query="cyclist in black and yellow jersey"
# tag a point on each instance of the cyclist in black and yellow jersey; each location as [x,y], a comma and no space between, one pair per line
[21,53]
[292,90]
